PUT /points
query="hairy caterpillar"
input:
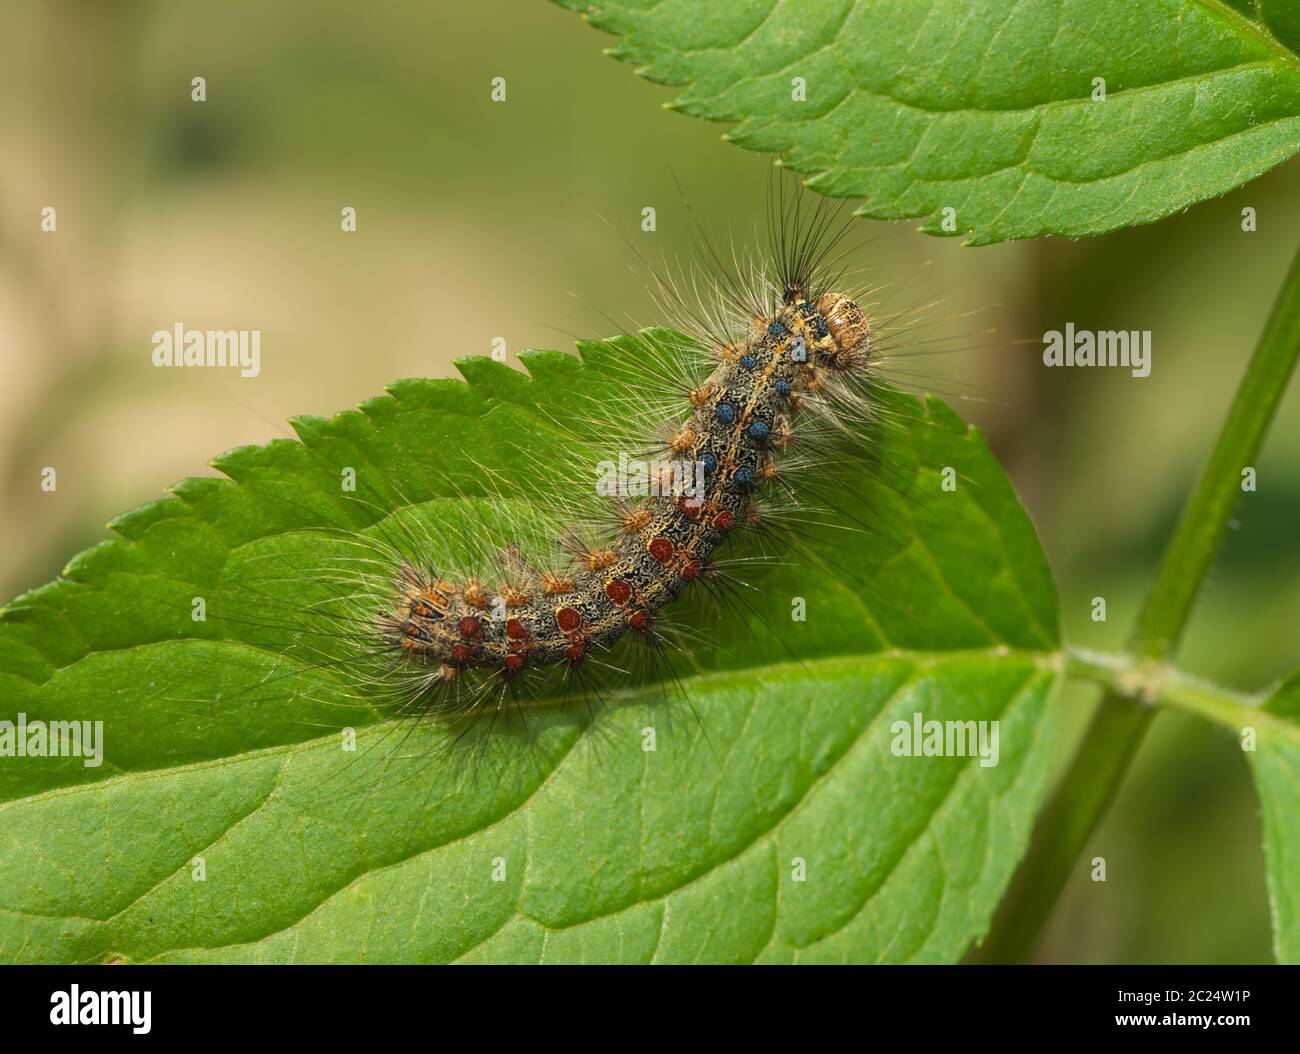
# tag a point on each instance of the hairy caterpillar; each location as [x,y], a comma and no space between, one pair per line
[520,583]
[741,418]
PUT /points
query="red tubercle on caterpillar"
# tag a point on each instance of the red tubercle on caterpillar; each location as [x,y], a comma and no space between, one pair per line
[461,653]
[618,591]
[723,520]
[568,619]
[640,620]
[515,629]
[511,664]
[690,570]
[690,507]
[469,626]
[661,549]
[575,652]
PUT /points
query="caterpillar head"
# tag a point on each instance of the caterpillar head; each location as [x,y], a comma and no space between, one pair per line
[849,342]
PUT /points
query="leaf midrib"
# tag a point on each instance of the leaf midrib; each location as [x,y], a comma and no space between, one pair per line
[1052,660]
[1258,30]
[713,866]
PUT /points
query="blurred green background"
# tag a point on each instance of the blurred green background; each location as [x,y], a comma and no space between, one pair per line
[479,220]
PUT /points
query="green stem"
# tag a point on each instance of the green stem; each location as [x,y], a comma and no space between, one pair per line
[1163,685]
[1205,518]
[1098,768]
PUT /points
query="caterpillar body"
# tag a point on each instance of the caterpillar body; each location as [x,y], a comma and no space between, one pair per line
[740,421]
[485,581]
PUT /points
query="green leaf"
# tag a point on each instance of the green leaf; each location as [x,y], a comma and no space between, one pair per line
[222,756]
[986,107]
[1276,766]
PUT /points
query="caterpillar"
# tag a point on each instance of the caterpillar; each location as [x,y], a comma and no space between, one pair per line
[765,392]
[741,418]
